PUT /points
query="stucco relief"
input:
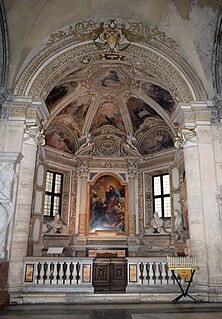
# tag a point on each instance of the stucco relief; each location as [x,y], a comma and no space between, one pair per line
[69,61]
[148,198]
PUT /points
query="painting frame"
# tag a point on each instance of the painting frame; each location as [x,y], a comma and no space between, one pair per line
[29,272]
[107,204]
[133,273]
[86,273]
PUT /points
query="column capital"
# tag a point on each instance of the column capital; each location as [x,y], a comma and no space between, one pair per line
[34,135]
[185,138]
[190,115]
[215,107]
[30,110]
[133,172]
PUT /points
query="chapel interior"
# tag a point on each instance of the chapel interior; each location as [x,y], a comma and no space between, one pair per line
[110,148]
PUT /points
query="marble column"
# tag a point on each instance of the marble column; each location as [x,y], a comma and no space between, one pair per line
[212,219]
[205,227]
[32,138]
[82,200]
[133,224]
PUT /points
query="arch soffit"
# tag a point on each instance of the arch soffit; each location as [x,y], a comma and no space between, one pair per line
[66,55]
[107,172]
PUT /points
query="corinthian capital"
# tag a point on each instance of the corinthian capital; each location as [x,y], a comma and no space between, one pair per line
[184,136]
[34,134]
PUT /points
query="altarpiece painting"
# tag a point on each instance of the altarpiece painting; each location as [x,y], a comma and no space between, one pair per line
[107,204]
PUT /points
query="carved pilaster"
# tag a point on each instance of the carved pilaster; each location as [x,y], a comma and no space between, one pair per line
[148,199]
[82,224]
[132,224]
[7,171]
[215,107]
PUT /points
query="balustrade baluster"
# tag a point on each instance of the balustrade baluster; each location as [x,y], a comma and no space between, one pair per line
[154,273]
[164,274]
[52,267]
[67,282]
[167,274]
[64,272]
[160,277]
[71,267]
[78,271]
[141,267]
[39,267]
[58,271]
[45,267]
[148,272]
[151,274]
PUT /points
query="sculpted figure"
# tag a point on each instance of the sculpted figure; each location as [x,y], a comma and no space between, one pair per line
[157,223]
[56,226]
[178,221]
[6,211]
[178,224]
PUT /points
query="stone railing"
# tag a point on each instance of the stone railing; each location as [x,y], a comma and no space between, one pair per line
[145,273]
[75,274]
[42,273]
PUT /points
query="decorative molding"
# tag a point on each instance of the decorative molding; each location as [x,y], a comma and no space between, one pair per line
[82,224]
[111,36]
[77,49]
[148,198]
[184,136]
[83,172]
[4,51]
[140,204]
[132,224]
[115,36]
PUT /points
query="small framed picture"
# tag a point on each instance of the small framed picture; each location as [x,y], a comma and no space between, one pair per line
[86,276]
[29,271]
[133,273]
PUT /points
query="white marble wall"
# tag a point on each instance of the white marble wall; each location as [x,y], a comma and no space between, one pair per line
[202,157]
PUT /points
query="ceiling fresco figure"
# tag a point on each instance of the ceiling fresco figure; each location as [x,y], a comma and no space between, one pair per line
[139,111]
[77,109]
[109,79]
[160,95]
[156,141]
[58,92]
[108,114]
[60,139]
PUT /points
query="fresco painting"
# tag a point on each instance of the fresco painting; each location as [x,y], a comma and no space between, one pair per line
[107,205]
[77,109]
[58,92]
[139,111]
[60,139]
[160,95]
[155,142]
[109,78]
[108,114]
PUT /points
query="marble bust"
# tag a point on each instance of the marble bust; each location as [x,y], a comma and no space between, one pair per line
[157,223]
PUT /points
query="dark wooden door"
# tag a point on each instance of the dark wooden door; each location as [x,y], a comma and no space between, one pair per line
[110,274]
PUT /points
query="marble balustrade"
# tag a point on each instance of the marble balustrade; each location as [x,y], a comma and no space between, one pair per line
[75,274]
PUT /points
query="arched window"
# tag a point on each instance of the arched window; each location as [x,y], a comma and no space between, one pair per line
[161,195]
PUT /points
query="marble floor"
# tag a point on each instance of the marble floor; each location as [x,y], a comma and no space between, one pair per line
[114,311]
